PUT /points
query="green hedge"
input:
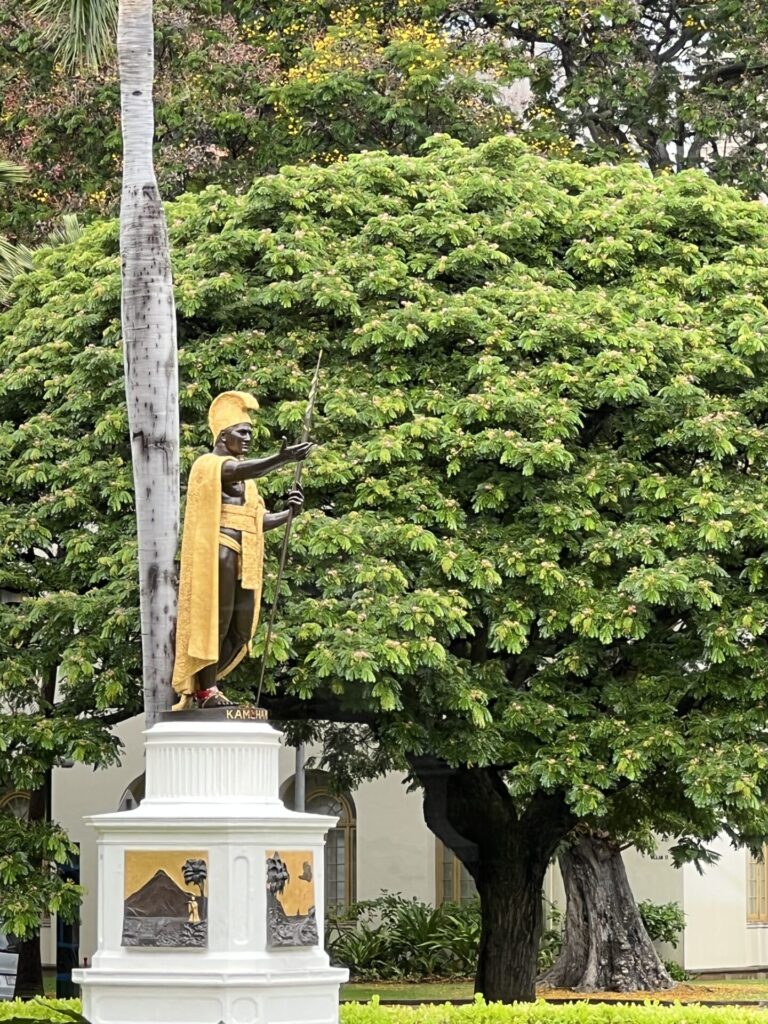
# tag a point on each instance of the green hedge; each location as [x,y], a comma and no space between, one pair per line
[478,1012]
[63,1010]
[541,1012]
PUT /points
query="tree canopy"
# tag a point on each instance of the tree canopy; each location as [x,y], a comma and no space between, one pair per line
[675,83]
[535,539]
[241,89]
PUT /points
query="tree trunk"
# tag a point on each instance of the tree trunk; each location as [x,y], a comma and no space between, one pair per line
[606,947]
[29,970]
[510,892]
[151,365]
[507,852]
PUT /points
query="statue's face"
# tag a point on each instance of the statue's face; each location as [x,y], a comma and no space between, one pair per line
[237,439]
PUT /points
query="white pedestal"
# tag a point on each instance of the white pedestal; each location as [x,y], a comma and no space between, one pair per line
[212,786]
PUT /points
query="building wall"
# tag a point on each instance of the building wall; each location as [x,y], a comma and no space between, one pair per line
[396,850]
[718,936]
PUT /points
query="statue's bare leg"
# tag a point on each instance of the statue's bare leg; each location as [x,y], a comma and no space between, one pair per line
[240,624]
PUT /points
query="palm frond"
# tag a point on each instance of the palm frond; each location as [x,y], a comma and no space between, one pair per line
[84,30]
[67,230]
[12,174]
[14,260]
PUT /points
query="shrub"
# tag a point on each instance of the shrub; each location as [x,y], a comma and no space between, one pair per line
[551,940]
[396,937]
[541,1012]
[458,930]
[664,922]
[477,1012]
[62,1011]
[676,971]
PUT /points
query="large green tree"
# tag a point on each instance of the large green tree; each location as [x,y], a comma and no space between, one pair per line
[533,563]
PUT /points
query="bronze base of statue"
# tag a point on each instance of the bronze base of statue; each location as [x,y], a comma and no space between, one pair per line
[210,698]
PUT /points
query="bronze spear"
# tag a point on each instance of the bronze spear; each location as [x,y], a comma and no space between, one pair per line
[306,429]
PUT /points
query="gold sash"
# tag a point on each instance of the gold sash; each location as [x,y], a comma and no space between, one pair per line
[244,519]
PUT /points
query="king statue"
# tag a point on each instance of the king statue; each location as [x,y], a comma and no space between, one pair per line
[222,551]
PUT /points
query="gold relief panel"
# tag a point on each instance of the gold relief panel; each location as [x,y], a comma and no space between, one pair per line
[165,898]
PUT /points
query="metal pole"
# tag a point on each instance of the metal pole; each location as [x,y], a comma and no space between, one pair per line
[300,780]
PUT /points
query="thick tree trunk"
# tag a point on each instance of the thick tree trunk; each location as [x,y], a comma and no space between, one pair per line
[606,946]
[507,852]
[510,901]
[29,970]
[151,365]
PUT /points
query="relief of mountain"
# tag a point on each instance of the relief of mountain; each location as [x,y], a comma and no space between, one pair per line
[159,897]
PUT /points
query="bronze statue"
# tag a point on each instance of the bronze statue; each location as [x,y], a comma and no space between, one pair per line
[222,552]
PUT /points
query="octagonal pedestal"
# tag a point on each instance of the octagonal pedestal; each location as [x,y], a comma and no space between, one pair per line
[211,790]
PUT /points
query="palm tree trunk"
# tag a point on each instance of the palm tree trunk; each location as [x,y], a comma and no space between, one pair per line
[151,366]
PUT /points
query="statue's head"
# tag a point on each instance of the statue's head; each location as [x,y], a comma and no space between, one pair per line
[230,422]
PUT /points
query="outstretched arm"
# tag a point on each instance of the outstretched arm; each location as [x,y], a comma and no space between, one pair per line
[250,469]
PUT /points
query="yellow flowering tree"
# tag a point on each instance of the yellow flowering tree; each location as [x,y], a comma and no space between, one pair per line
[240,89]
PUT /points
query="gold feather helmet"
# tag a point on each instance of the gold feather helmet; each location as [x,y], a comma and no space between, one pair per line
[228,409]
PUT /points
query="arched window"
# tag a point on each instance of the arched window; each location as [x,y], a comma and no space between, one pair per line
[454,882]
[341,841]
[133,795]
[15,802]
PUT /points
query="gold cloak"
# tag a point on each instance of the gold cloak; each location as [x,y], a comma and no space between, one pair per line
[197,624]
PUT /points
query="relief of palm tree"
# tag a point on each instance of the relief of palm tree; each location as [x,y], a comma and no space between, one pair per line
[195,872]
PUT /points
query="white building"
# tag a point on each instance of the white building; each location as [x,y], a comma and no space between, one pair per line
[381,843]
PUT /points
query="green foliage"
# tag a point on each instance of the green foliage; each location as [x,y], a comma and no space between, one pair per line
[675,971]
[84,31]
[395,937]
[664,922]
[244,88]
[13,258]
[241,89]
[60,1010]
[551,941]
[477,1012]
[535,532]
[30,885]
[541,1012]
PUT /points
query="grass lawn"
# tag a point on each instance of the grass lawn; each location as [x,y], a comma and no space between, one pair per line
[751,990]
[363,990]
[697,990]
